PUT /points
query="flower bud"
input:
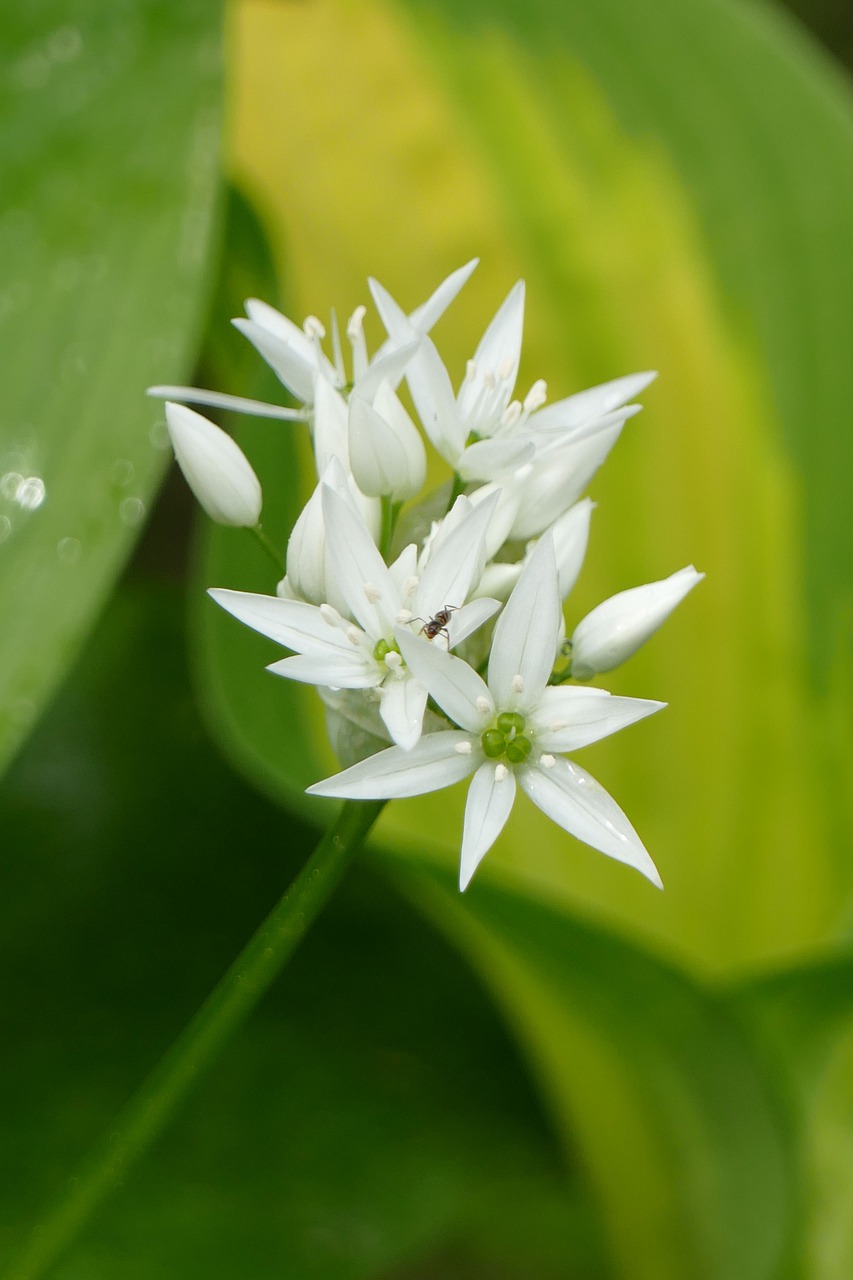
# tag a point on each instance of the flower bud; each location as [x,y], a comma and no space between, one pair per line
[386,452]
[619,626]
[215,467]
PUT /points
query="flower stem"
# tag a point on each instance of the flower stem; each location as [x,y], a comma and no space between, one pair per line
[390,512]
[222,1013]
[269,546]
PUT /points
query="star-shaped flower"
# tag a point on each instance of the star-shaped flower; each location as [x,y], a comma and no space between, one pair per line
[512,728]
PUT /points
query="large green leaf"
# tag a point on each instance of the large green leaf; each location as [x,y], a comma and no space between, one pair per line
[109,152]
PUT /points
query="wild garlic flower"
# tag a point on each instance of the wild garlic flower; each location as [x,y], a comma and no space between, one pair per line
[389,596]
[511,728]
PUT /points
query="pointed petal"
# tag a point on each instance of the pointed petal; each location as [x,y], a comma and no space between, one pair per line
[293,623]
[338,671]
[218,400]
[488,459]
[426,315]
[571,534]
[432,394]
[360,571]
[294,369]
[465,621]
[490,799]
[455,685]
[556,483]
[498,352]
[580,805]
[567,719]
[457,564]
[432,764]
[389,368]
[402,710]
[595,402]
[404,568]
[331,434]
[262,314]
[525,640]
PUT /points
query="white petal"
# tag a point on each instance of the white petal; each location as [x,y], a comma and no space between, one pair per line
[262,314]
[488,806]
[388,403]
[433,398]
[456,563]
[340,671]
[557,483]
[377,456]
[295,370]
[215,467]
[488,459]
[306,552]
[402,710]
[465,621]
[293,623]
[360,571]
[217,400]
[331,434]
[525,639]
[385,368]
[455,685]
[432,764]
[580,805]
[498,580]
[567,719]
[619,626]
[592,403]
[498,352]
[571,534]
[426,315]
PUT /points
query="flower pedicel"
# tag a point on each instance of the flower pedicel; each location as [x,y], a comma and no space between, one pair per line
[391,613]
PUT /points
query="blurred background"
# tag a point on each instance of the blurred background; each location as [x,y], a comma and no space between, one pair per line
[563,1075]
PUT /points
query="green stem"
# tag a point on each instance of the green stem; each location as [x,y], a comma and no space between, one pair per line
[390,511]
[457,489]
[224,1010]
[269,546]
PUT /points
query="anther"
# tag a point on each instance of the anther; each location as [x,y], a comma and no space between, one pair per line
[547,762]
[517,684]
[355,322]
[501,772]
[330,615]
[483,705]
[393,661]
[536,396]
[313,328]
[511,414]
[463,748]
[471,370]
[354,635]
[410,586]
[505,368]
[404,615]
[372,592]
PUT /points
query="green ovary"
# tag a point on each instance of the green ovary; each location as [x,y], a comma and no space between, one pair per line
[506,739]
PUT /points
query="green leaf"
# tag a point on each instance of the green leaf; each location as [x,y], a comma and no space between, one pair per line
[109,152]
[674,1116]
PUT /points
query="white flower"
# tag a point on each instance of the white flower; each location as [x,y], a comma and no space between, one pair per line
[512,728]
[386,451]
[619,626]
[215,467]
[297,357]
[358,648]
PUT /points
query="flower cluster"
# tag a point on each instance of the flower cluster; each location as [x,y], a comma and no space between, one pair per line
[433,629]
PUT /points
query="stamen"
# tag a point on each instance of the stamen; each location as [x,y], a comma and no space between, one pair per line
[410,586]
[393,661]
[330,615]
[518,684]
[505,368]
[404,615]
[355,635]
[536,396]
[471,370]
[463,748]
[547,762]
[313,328]
[501,772]
[483,705]
[489,379]
[511,414]
[355,333]
[557,726]
[355,323]
[372,592]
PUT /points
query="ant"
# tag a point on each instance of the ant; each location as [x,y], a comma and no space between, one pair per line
[437,626]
